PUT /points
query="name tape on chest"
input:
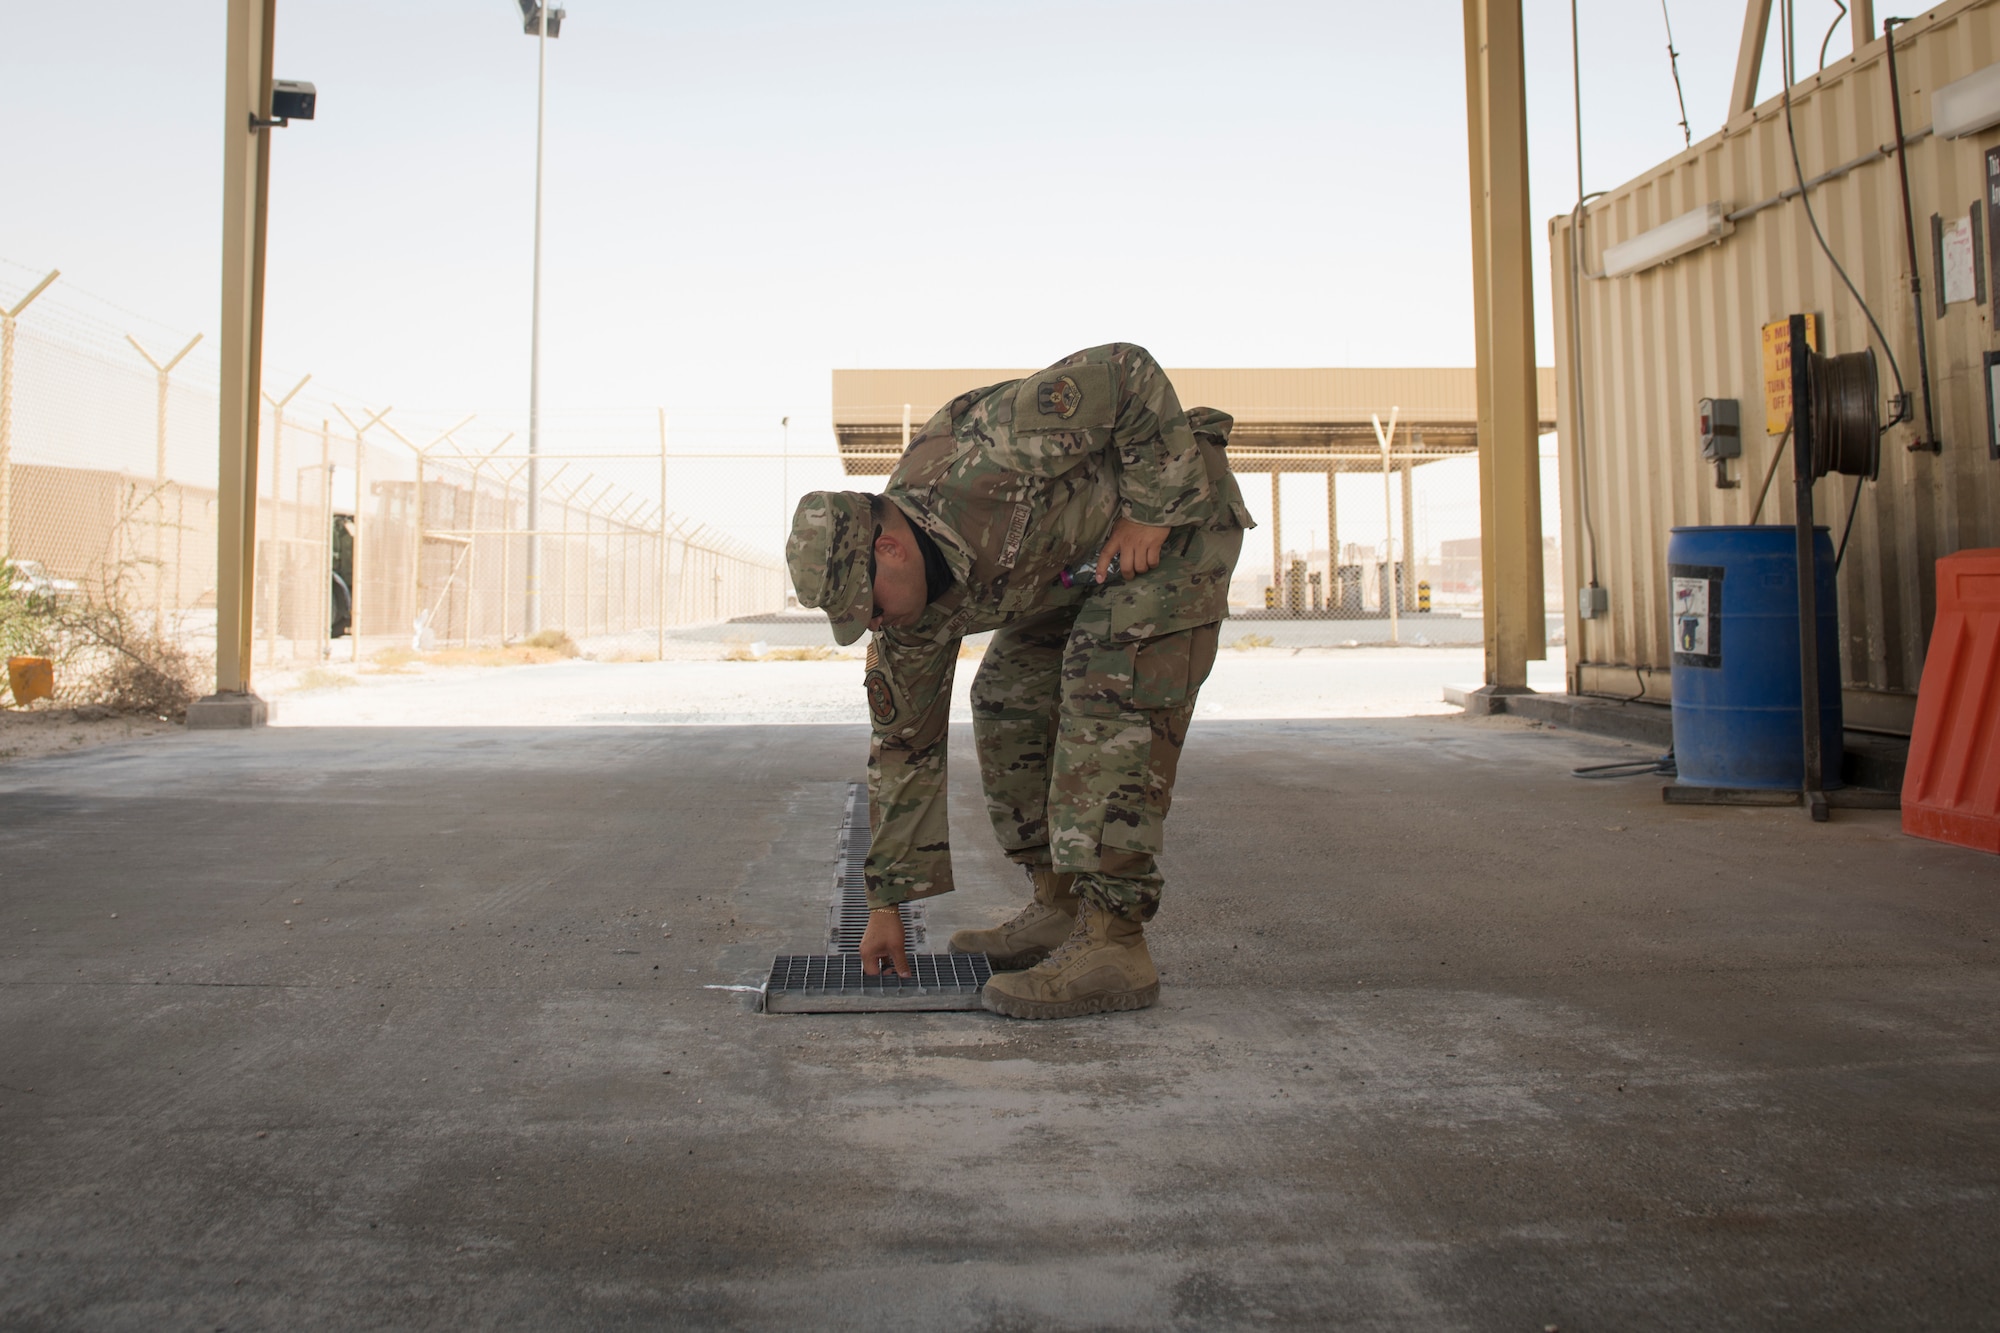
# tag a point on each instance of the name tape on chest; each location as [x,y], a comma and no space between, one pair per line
[1017,528]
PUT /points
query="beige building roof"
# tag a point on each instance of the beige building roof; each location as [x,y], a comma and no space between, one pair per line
[1303,420]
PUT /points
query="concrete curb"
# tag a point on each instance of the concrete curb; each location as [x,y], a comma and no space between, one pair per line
[1870,760]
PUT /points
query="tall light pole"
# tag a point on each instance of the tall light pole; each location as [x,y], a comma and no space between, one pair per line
[541,23]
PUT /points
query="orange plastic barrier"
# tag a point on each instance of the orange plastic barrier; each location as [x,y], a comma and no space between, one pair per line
[30,678]
[1951,790]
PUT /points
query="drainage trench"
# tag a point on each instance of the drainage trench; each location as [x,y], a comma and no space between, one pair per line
[847,915]
[833,982]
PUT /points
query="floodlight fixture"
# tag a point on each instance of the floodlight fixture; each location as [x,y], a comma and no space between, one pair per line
[531,19]
[1967,105]
[1692,230]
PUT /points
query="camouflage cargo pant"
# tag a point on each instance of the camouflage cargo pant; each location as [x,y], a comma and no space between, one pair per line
[1079,716]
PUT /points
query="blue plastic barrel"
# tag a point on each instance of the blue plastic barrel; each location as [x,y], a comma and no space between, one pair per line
[1734,597]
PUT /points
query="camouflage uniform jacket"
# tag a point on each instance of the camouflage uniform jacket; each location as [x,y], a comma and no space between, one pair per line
[1020,480]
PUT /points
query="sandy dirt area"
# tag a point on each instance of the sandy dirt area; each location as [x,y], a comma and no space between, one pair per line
[29,733]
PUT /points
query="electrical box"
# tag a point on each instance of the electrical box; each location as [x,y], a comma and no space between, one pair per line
[1721,429]
[1721,436]
[1592,602]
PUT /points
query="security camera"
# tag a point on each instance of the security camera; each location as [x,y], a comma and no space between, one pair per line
[291,99]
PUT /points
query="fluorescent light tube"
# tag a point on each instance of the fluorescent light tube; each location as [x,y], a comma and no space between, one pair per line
[1690,231]
[1967,106]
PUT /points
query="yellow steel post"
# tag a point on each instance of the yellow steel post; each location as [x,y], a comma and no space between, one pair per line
[245,173]
[1861,21]
[1509,466]
[1750,56]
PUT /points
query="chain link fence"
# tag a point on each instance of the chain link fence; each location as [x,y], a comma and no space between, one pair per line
[374,528]
[420,530]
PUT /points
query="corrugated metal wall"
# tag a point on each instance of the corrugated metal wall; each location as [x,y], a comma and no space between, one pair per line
[1653,343]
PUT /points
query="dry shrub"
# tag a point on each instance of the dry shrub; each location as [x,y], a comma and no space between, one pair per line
[106,655]
[553,640]
[127,665]
[1249,641]
[392,662]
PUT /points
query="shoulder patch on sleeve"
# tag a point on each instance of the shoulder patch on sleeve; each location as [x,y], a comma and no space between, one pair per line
[1073,397]
[881,699]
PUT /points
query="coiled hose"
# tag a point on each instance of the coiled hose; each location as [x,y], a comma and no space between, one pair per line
[1847,429]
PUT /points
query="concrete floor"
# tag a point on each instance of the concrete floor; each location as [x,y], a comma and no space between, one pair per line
[1447,626]
[403,1027]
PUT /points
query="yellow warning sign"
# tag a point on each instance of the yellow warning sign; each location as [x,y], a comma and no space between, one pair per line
[1778,370]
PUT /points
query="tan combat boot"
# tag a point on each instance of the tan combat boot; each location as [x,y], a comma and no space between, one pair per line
[1026,938]
[1103,965]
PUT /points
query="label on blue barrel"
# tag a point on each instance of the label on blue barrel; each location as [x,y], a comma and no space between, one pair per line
[1696,592]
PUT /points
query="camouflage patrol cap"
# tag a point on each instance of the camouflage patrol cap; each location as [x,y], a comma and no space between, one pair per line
[832,532]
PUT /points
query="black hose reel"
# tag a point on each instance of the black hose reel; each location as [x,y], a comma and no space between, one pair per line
[1845,422]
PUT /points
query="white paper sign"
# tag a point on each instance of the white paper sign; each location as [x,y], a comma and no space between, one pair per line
[1957,252]
[1691,616]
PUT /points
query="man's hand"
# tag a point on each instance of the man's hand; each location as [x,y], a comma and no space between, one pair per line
[883,943]
[1135,546]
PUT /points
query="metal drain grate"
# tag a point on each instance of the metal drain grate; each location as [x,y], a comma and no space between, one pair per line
[833,983]
[847,916]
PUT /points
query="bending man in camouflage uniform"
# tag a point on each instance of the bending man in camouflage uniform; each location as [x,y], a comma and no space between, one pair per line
[1083,700]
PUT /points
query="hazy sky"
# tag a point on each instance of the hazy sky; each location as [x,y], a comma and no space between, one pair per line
[743,196]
